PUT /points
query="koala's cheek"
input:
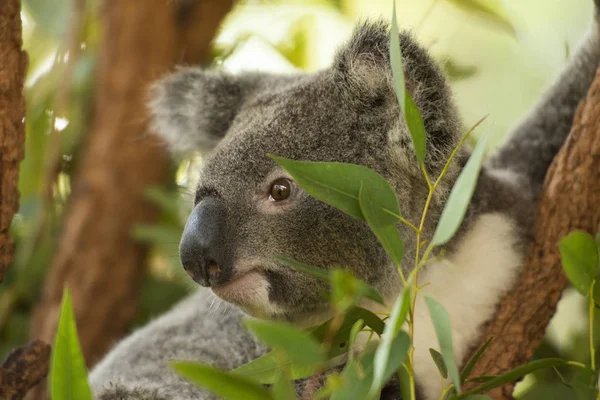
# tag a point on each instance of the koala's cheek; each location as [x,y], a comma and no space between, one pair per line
[251,293]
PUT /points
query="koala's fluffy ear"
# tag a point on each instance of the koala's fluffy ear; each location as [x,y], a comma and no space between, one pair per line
[364,68]
[192,109]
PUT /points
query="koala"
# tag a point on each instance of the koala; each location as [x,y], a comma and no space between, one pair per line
[247,209]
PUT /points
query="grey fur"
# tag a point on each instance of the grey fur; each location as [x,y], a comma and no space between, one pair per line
[347,113]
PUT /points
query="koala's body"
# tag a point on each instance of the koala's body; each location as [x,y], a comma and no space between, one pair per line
[247,209]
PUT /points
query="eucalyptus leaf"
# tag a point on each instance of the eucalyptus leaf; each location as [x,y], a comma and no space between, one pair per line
[460,196]
[226,385]
[326,276]
[358,374]
[283,389]
[579,256]
[378,221]
[338,184]
[473,360]
[411,113]
[438,359]
[443,331]
[514,374]
[298,346]
[68,374]
[345,287]
[266,369]
[383,354]
[489,11]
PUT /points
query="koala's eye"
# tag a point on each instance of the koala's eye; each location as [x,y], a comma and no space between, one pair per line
[280,190]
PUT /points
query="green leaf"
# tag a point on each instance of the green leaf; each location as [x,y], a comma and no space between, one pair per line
[489,11]
[383,354]
[345,278]
[356,328]
[68,375]
[407,105]
[456,72]
[319,273]
[514,374]
[404,379]
[226,385]
[438,359]
[414,121]
[579,256]
[266,369]
[473,360]
[443,331]
[345,287]
[338,185]
[477,397]
[460,196]
[298,346]
[396,60]
[378,221]
[358,374]
[283,389]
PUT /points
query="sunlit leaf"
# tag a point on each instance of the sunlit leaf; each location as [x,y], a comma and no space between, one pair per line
[379,222]
[226,385]
[489,11]
[68,374]
[438,359]
[514,374]
[460,196]
[338,184]
[443,331]
[579,256]
[457,72]
[298,346]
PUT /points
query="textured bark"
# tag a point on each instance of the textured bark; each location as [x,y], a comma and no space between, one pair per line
[97,257]
[24,368]
[570,201]
[13,65]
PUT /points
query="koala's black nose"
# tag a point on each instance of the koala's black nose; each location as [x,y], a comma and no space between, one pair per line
[202,248]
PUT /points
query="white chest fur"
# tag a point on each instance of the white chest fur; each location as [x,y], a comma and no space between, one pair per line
[469,284]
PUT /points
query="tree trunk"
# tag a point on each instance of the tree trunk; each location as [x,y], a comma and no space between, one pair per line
[570,201]
[97,257]
[24,367]
[12,125]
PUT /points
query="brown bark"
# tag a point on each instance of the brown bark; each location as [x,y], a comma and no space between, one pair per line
[13,65]
[97,256]
[570,201]
[24,368]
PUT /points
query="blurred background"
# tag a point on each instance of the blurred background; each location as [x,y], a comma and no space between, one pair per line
[102,208]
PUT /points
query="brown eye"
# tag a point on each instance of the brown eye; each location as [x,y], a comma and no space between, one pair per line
[280,189]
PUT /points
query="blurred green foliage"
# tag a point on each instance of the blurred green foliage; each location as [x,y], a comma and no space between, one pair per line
[490,49]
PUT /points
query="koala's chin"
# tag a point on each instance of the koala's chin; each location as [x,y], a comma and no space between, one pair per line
[250,292]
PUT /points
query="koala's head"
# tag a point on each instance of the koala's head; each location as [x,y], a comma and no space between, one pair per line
[248,210]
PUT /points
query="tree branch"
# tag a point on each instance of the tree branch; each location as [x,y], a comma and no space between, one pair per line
[570,201]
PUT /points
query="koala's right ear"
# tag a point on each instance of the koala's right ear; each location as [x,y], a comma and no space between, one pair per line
[192,109]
